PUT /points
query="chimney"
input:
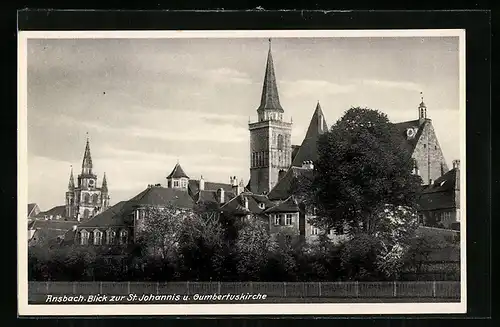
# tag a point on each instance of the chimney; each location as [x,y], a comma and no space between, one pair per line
[431,182]
[233,181]
[74,227]
[308,164]
[245,200]
[202,183]
[237,187]
[220,195]
[456,164]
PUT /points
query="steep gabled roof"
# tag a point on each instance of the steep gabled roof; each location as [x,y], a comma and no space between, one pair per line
[289,205]
[283,189]
[177,172]
[308,151]
[55,211]
[60,225]
[31,209]
[440,194]
[194,186]
[237,205]
[401,128]
[113,216]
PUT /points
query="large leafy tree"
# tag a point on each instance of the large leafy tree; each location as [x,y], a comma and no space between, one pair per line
[361,168]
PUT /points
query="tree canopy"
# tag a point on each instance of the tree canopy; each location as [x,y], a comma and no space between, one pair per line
[361,168]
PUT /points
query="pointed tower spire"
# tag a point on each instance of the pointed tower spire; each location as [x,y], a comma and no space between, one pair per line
[270,98]
[422,110]
[71,183]
[87,159]
[104,187]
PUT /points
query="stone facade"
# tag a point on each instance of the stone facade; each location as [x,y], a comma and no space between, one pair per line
[428,155]
[86,199]
[270,153]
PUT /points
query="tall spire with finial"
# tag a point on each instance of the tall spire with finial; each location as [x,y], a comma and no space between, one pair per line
[71,183]
[270,98]
[422,109]
[87,158]
[104,187]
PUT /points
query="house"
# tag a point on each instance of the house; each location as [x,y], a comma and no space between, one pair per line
[439,201]
[57,212]
[33,210]
[48,232]
[418,139]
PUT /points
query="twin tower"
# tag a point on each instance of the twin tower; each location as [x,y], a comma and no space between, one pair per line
[270,137]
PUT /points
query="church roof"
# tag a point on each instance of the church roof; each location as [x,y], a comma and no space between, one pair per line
[284,188]
[270,98]
[401,128]
[177,172]
[308,151]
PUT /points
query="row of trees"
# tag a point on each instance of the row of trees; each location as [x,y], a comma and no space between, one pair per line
[362,185]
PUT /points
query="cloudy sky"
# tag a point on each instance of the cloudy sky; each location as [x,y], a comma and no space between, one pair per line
[147,103]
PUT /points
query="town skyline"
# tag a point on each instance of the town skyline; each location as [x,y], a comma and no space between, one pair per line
[147,104]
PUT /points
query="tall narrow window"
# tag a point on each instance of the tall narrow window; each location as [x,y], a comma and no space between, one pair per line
[277,220]
[95,198]
[86,213]
[86,198]
[84,237]
[110,236]
[97,237]
[281,144]
[123,236]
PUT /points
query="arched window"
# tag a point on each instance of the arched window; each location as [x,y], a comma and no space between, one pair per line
[86,213]
[97,237]
[86,198]
[110,236]
[84,237]
[95,198]
[123,236]
[281,144]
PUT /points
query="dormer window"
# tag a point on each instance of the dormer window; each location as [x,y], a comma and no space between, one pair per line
[97,237]
[262,206]
[84,237]
[123,236]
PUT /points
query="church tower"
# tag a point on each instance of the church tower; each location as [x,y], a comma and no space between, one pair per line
[70,196]
[270,136]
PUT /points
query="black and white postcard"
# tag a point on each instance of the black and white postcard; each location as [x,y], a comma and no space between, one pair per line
[241,172]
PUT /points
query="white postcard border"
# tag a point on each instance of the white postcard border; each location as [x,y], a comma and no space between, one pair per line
[25,309]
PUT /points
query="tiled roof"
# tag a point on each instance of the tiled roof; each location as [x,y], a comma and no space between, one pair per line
[113,216]
[194,186]
[47,236]
[237,205]
[283,189]
[177,172]
[61,225]
[55,211]
[206,196]
[440,194]
[289,205]
[270,98]
[308,151]
[118,215]
[31,206]
[402,127]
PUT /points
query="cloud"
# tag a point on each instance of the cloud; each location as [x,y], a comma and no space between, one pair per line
[227,75]
[404,85]
[314,87]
